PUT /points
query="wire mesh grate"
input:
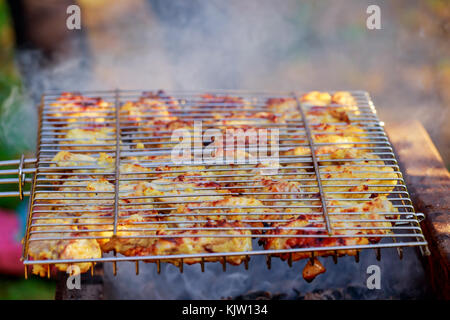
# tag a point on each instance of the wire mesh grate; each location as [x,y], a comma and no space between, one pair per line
[106,180]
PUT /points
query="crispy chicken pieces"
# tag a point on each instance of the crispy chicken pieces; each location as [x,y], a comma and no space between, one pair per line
[166,209]
[223,237]
[348,221]
[56,248]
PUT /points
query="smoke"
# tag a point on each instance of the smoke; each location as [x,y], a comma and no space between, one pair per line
[399,279]
[260,45]
[201,46]
[15,110]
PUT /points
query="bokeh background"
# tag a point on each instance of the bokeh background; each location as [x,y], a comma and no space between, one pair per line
[197,44]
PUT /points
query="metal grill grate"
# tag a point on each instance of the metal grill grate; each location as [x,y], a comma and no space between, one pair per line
[328,202]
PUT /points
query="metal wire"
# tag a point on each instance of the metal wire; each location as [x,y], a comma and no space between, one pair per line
[311,144]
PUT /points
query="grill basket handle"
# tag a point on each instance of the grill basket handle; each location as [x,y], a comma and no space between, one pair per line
[20,172]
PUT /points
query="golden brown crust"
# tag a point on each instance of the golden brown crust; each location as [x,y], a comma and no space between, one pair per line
[344,222]
[312,269]
[198,242]
[73,107]
[52,226]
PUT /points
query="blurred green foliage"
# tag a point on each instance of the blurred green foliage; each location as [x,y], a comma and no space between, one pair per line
[11,100]
[8,74]
[21,289]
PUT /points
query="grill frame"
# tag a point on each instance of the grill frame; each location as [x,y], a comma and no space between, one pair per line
[116,95]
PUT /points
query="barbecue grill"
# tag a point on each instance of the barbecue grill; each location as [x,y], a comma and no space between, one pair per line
[42,180]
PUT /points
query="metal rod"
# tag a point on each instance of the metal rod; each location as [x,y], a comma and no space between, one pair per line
[117,163]
[224,263]
[316,166]
[181,265]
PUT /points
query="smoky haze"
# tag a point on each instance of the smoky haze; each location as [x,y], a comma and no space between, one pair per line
[262,45]
[400,279]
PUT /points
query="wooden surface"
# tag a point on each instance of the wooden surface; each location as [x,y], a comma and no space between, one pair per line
[428,182]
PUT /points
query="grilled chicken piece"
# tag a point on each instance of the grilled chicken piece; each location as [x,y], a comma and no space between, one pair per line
[361,181]
[192,241]
[233,172]
[160,133]
[285,199]
[162,130]
[65,161]
[344,98]
[294,210]
[88,111]
[97,137]
[80,198]
[346,154]
[344,218]
[147,108]
[137,221]
[312,269]
[319,109]
[60,225]
[316,98]
[364,173]
[222,162]
[69,159]
[77,195]
[212,101]
[93,210]
[329,139]
[152,115]
[281,189]
[229,209]
[322,130]
[131,171]
[286,108]
[244,119]
[317,115]
[134,232]
[180,170]
[104,163]
[174,193]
